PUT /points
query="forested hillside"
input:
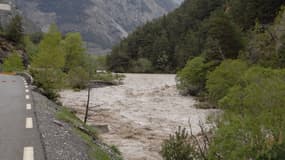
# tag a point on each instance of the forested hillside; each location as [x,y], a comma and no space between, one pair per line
[229,53]
[218,29]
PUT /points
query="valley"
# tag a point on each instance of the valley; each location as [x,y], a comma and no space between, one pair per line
[101,23]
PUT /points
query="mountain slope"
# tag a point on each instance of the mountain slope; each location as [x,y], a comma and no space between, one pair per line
[102,23]
[211,27]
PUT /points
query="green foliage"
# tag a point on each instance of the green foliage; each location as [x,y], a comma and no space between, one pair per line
[48,63]
[36,37]
[51,53]
[212,28]
[49,79]
[224,77]
[13,63]
[246,12]
[261,47]
[253,124]
[246,136]
[167,42]
[30,47]
[142,65]
[74,51]
[78,78]
[100,62]
[15,31]
[191,79]
[250,88]
[225,36]
[258,88]
[178,147]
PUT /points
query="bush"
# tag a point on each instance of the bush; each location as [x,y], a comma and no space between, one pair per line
[78,78]
[259,88]
[223,78]
[178,147]
[191,79]
[13,63]
[50,80]
[248,136]
[253,124]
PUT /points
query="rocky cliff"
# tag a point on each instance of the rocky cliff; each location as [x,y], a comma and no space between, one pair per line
[101,22]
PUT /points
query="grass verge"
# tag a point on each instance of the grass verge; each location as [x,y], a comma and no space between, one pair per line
[88,134]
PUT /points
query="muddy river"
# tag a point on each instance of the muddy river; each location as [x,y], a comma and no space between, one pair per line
[140,114]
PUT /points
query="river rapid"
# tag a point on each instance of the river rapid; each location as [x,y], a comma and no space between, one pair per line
[140,114]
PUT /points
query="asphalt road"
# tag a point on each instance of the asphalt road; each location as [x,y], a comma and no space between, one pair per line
[19,136]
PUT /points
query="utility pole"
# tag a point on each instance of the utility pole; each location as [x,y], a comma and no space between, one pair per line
[89,90]
[87,105]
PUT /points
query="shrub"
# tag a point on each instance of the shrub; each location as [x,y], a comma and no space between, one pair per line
[259,88]
[191,79]
[178,147]
[78,78]
[13,63]
[50,80]
[223,78]
[253,124]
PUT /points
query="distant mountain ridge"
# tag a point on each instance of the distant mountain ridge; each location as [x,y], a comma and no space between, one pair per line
[102,23]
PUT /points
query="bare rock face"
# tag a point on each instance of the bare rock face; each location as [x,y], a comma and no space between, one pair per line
[101,22]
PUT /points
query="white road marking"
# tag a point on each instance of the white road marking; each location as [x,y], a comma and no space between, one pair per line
[29,123]
[26,86]
[27,91]
[28,153]
[28,106]
[27,97]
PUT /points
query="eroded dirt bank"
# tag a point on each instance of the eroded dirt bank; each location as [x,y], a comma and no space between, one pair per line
[140,113]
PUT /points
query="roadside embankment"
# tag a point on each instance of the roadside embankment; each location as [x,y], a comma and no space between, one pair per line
[64,136]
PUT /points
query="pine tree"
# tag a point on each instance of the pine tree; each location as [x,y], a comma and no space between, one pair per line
[15,30]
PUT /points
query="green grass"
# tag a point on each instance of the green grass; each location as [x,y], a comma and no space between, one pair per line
[94,152]
[68,117]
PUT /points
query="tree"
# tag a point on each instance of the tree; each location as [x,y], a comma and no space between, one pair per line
[51,54]
[191,79]
[31,48]
[15,30]
[74,51]
[48,63]
[226,34]
[223,78]
[13,63]
[161,50]
[246,12]
[78,78]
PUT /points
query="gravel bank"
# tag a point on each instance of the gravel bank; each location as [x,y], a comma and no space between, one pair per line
[60,142]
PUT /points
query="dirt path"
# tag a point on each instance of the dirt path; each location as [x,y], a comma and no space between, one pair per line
[140,114]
